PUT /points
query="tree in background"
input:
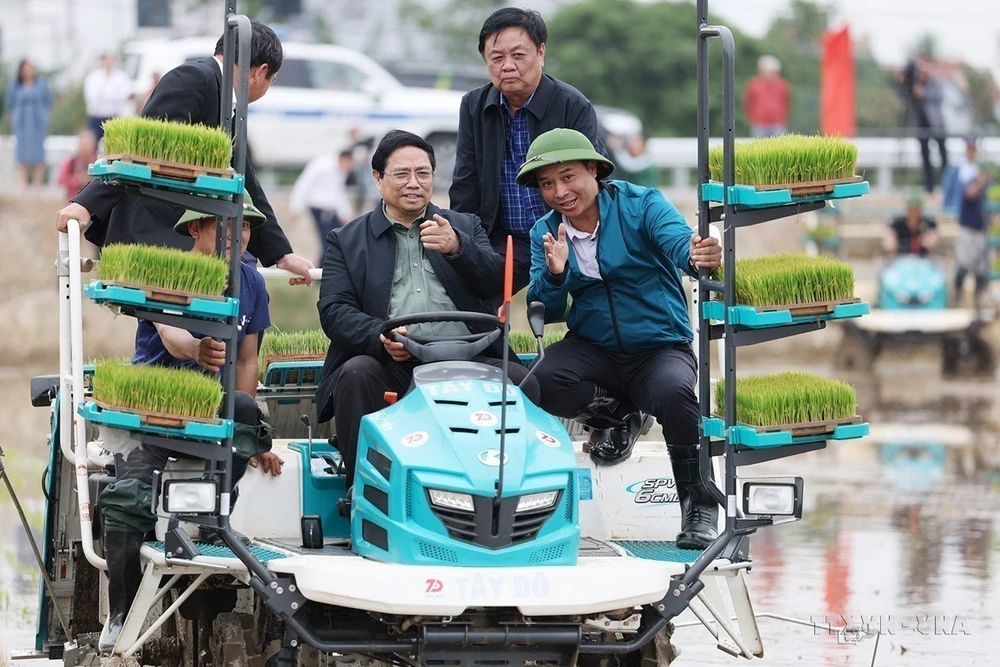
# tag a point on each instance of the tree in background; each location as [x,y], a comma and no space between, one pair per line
[456,26]
[640,58]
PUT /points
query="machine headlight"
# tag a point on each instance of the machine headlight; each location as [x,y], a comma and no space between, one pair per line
[190,496]
[773,497]
[536,501]
[451,500]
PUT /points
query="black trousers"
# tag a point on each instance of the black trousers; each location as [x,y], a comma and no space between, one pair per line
[522,254]
[362,385]
[661,383]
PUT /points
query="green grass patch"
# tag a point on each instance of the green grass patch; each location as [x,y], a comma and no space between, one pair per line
[168,141]
[788,159]
[172,391]
[788,279]
[166,268]
[789,398]
[523,342]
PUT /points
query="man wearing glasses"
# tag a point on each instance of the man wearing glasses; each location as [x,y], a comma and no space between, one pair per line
[405,257]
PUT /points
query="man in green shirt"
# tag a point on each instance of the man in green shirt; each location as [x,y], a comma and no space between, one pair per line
[405,257]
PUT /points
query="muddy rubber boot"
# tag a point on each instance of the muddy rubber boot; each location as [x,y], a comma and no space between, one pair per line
[121,550]
[699,511]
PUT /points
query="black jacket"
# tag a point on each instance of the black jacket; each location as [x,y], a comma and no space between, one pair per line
[482,140]
[357,284]
[189,93]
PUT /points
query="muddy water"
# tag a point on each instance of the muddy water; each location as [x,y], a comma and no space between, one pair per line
[901,541]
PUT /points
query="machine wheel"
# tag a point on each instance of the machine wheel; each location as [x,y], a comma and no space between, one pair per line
[856,351]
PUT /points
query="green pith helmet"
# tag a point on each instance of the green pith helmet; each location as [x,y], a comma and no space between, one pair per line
[250,213]
[558,146]
[914,198]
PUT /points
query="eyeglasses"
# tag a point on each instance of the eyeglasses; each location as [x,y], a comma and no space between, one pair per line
[403,176]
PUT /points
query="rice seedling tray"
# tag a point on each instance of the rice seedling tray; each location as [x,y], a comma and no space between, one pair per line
[150,298]
[759,437]
[285,373]
[760,196]
[993,241]
[762,317]
[184,428]
[118,169]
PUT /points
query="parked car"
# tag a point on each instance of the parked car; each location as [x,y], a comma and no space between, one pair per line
[322,93]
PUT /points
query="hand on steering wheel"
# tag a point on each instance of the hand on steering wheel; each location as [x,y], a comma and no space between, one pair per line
[402,346]
[394,348]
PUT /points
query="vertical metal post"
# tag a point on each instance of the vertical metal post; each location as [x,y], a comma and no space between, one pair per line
[729,245]
[236,40]
[704,325]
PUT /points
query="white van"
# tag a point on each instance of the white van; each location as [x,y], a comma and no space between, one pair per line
[322,92]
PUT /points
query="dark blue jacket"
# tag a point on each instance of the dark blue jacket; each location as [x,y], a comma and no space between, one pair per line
[640,304]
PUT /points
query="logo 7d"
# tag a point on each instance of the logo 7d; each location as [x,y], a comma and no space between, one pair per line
[433,586]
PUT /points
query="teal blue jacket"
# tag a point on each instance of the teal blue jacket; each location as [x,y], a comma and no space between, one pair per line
[639,305]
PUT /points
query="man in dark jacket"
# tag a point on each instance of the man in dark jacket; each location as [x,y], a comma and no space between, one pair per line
[498,122]
[405,257]
[190,93]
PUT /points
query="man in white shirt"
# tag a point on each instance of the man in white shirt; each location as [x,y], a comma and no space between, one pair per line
[105,92]
[322,188]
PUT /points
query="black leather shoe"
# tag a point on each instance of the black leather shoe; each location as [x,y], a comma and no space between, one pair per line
[614,445]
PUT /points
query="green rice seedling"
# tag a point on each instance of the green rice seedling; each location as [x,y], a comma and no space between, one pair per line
[165,268]
[789,398]
[171,391]
[290,345]
[788,159]
[168,141]
[523,342]
[993,193]
[788,279]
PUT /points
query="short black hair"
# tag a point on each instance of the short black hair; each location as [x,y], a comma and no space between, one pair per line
[265,48]
[346,153]
[392,142]
[512,17]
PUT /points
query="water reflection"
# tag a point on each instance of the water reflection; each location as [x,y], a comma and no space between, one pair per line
[899,532]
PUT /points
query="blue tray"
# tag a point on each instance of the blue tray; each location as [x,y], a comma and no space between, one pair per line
[206,309]
[132,422]
[750,437]
[749,197]
[993,241]
[292,374]
[749,317]
[140,174]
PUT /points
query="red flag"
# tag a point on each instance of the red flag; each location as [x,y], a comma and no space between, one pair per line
[837,85]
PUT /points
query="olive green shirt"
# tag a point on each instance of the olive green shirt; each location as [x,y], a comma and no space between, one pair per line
[416,287]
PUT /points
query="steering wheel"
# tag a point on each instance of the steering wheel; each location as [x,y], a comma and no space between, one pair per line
[445,348]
